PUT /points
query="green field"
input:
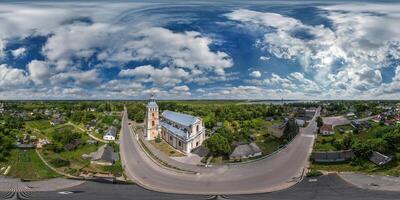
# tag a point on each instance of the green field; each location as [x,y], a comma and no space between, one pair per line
[367,167]
[268,144]
[27,165]
[60,128]
[38,124]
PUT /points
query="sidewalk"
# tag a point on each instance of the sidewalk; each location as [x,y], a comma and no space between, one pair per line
[372,182]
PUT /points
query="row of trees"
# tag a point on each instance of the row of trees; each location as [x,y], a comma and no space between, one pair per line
[387,142]
[8,131]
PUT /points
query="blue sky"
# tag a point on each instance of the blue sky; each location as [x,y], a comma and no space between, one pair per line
[258,50]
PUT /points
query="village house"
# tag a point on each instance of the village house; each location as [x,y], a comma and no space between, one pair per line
[377,118]
[379,159]
[91,125]
[245,151]
[327,129]
[72,145]
[105,156]
[110,134]
[300,122]
[183,132]
[56,121]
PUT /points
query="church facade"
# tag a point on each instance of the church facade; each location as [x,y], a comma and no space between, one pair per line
[183,132]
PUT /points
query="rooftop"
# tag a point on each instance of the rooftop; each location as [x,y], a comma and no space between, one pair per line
[245,150]
[179,118]
[111,131]
[379,159]
[178,132]
[327,127]
[104,153]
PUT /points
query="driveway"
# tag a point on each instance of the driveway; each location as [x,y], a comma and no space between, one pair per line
[336,120]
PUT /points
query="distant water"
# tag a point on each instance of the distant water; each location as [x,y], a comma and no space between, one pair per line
[280,102]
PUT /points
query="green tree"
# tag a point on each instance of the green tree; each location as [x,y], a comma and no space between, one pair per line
[218,145]
[320,122]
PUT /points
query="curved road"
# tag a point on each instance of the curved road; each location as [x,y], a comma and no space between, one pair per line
[329,187]
[279,171]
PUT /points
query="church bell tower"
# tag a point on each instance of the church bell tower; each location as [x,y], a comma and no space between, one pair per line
[151,119]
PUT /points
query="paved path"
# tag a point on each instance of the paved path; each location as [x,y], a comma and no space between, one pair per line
[329,187]
[373,182]
[276,172]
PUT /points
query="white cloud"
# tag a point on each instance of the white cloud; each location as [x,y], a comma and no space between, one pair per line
[39,71]
[18,53]
[85,77]
[78,41]
[2,46]
[184,50]
[183,88]
[255,74]
[167,76]
[363,40]
[12,77]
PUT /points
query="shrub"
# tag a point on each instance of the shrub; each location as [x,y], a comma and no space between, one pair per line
[313,173]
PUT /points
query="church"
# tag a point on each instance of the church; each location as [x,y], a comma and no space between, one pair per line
[183,132]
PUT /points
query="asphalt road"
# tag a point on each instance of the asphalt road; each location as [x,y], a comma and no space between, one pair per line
[329,187]
[276,172]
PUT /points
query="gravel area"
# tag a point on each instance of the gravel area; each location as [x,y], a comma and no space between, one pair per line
[335,121]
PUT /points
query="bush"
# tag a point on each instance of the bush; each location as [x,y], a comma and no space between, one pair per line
[313,173]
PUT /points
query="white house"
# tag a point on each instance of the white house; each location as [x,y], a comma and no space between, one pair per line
[300,122]
[110,134]
[327,129]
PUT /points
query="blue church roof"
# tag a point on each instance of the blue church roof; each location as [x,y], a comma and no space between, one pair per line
[152,104]
[183,119]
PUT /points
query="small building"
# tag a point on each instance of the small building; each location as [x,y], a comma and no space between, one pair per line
[72,145]
[332,156]
[377,118]
[327,129]
[351,115]
[245,151]
[41,143]
[388,122]
[105,155]
[110,134]
[300,122]
[355,124]
[56,121]
[269,119]
[91,125]
[379,159]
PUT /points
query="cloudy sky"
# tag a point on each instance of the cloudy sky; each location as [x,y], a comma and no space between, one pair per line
[127,50]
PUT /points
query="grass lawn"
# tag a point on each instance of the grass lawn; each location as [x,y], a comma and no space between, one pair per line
[38,124]
[367,167]
[61,127]
[166,148]
[268,143]
[77,163]
[26,164]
